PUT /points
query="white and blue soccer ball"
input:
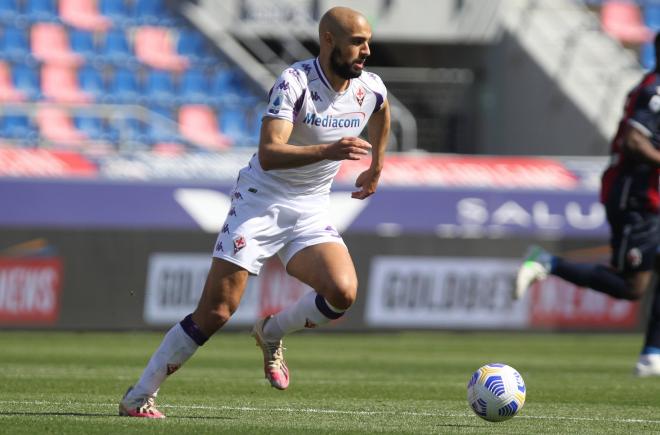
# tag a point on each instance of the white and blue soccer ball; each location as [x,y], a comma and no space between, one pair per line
[496,392]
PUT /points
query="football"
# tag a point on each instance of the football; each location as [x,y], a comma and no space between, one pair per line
[496,392]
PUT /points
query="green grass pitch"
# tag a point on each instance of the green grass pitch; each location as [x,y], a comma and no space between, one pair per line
[415,382]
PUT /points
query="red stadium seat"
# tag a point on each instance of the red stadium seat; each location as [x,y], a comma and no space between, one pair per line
[50,43]
[622,20]
[199,125]
[59,83]
[154,47]
[56,126]
[83,14]
[8,93]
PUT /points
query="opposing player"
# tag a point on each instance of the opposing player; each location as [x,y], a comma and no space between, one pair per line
[317,108]
[630,194]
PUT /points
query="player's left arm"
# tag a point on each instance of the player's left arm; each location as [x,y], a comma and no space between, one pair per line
[378,130]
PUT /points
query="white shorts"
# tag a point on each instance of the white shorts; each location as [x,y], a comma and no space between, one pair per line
[261,223]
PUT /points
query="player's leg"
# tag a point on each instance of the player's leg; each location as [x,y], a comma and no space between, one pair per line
[328,269]
[222,292]
[649,358]
[634,238]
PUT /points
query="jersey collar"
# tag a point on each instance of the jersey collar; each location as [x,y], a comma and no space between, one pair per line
[324,79]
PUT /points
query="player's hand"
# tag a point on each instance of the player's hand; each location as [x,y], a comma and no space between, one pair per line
[367,181]
[347,148]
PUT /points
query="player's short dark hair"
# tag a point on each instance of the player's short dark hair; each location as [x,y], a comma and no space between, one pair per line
[656,45]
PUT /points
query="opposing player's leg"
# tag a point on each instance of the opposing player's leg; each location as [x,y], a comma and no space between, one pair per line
[648,363]
[222,292]
[634,240]
[329,270]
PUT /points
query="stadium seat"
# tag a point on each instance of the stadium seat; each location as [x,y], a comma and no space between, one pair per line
[194,88]
[82,42]
[10,11]
[50,43]
[83,14]
[159,88]
[652,15]
[116,10]
[191,44]
[27,81]
[91,82]
[152,12]
[93,127]
[622,20]
[41,10]
[233,123]
[8,93]
[56,126]
[647,56]
[17,126]
[116,49]
[124,87]
[154,47]
[227,86]
[198,124]
[14,45]
[59,83]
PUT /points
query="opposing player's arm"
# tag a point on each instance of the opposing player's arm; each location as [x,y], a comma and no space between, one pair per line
[639,144]
[378,130]
[276,153]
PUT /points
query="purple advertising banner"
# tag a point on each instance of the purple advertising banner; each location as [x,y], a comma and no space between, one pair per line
[467,213]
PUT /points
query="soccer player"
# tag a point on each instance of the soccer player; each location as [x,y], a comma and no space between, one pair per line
[317,108]
[629,192]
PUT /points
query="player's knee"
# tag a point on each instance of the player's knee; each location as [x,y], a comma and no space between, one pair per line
[220,314]
[635,294]
[342,293]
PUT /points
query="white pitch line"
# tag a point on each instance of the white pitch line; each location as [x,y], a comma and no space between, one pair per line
[332,411]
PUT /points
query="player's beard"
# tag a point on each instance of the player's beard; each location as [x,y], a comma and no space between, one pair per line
[342,69]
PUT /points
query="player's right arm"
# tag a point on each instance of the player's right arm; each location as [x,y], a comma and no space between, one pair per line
[276,153]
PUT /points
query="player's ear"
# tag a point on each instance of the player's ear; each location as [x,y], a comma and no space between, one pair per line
[329,39]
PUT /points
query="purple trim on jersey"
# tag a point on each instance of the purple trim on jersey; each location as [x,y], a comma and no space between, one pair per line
[193,331]
[379,102]
[299,103]
[319,71]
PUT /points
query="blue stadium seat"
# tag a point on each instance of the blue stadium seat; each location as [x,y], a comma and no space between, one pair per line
[194,88]
[152,12]
[116,49]
[91,82]
[192,44]
[10,12]
[128,130]
[647,56]
[159,88]
[42,10]
[82,42]
[117,10]
[26,79]
[124,87]
[14,45]
[233,123]
[17,127]
[652,15]
[93,127]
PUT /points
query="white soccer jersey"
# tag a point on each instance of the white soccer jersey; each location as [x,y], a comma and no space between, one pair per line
[303,95]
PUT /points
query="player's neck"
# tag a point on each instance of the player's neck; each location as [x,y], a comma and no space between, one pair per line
[338,83]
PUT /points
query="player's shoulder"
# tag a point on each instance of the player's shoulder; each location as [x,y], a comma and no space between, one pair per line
[298,72]
[372,81]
